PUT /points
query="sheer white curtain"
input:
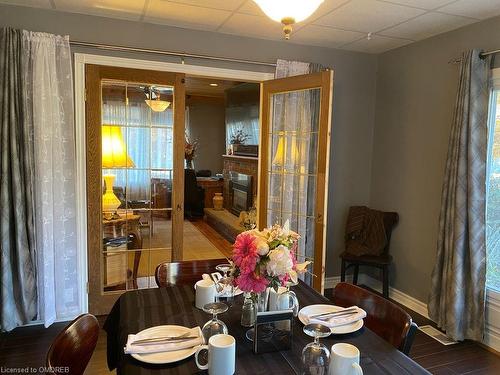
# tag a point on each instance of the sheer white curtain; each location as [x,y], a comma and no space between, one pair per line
[140,137]
[292,188]
[50,89]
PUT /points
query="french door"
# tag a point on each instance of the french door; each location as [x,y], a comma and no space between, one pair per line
[295,117]
[135,178]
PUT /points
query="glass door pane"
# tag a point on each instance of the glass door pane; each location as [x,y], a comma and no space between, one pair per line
[295,132]
[137,171]
[292,165]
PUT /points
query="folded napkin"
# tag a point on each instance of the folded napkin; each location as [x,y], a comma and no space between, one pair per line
[164,346]
[336,321]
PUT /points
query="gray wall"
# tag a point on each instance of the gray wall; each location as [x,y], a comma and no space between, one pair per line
[416,89]
[353,108]
[208,127]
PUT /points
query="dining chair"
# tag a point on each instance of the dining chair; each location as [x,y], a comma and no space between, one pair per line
[383,317]
[382,261]
[72,349]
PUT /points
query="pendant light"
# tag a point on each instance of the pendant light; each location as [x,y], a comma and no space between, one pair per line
[288,12]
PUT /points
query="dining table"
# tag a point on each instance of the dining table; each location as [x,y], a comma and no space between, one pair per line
[173,304]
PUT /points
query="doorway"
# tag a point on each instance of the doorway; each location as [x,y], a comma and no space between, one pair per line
[236,189]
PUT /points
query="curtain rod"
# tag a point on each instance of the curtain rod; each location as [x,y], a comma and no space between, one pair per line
[484,54]
[167,53]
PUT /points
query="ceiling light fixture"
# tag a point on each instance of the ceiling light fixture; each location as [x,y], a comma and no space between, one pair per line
[288,12]
[214,84]
[153,100]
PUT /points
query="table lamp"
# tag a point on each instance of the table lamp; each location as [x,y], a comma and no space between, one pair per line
[114,155]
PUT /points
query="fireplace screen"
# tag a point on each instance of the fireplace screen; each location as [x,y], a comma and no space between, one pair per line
[240,186]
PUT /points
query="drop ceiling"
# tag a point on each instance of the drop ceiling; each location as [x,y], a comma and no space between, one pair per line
[343,24]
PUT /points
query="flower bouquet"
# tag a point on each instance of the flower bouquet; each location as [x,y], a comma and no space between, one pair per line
[266,258]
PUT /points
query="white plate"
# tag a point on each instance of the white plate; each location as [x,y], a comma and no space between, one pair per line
[164,357]
[319,309]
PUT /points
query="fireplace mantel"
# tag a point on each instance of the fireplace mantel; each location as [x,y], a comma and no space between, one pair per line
[239,157]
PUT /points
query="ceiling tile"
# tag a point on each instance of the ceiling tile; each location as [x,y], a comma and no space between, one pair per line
[377,44]
[250,7]
[28,3]
[215,4]
[368,15]
[175,14]
[480,9]
[427,25]
[324,36]
[424,4]
[255,26]
[124,9]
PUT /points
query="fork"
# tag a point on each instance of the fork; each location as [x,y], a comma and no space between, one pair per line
[184,336]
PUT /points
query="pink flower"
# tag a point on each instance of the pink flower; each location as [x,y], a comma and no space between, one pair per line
[252,282]
[245,252]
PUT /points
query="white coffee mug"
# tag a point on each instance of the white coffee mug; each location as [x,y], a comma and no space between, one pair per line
[344,360]
[205,293]
[221,355]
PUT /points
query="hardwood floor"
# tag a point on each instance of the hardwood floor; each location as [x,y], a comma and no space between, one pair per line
[223,245]
[27,347]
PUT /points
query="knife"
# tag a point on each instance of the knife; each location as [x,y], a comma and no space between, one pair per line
[333,313]
[155,340]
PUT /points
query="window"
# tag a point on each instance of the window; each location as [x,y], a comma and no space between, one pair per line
[493,190]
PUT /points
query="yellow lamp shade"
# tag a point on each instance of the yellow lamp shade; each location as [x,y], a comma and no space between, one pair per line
[114,152]
[279,156]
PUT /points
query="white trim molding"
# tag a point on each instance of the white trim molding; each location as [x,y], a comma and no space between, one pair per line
[492,330]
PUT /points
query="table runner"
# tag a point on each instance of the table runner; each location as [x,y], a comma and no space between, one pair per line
[141,309]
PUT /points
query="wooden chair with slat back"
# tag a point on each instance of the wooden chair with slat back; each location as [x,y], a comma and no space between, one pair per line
[73,347]
[382,261]
[383,317]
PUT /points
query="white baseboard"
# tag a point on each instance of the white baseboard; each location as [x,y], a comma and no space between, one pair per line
[492,331]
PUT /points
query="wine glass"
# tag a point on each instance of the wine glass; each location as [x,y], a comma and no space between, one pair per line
[214,326]
[315,356]
[224,268]
[224,285]
[288,300]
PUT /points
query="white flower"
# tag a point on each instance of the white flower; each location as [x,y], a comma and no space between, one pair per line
[262,246]
[280,263]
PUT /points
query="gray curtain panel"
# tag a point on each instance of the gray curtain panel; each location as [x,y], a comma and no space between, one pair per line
[457,298]
[18,297]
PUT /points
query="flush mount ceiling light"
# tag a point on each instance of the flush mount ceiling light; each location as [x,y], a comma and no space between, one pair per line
[214,84]
[288,12]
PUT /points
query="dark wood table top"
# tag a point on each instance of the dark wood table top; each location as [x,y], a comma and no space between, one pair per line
[141,309]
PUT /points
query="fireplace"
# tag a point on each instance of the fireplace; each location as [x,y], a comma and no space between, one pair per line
[240,192]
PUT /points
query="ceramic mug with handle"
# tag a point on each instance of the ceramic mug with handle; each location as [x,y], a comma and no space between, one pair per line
[344,360]
[205,293]
[221,355]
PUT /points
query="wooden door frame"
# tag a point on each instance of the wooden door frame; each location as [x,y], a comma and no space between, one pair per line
[94,74]
[324,82]
[80,60]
